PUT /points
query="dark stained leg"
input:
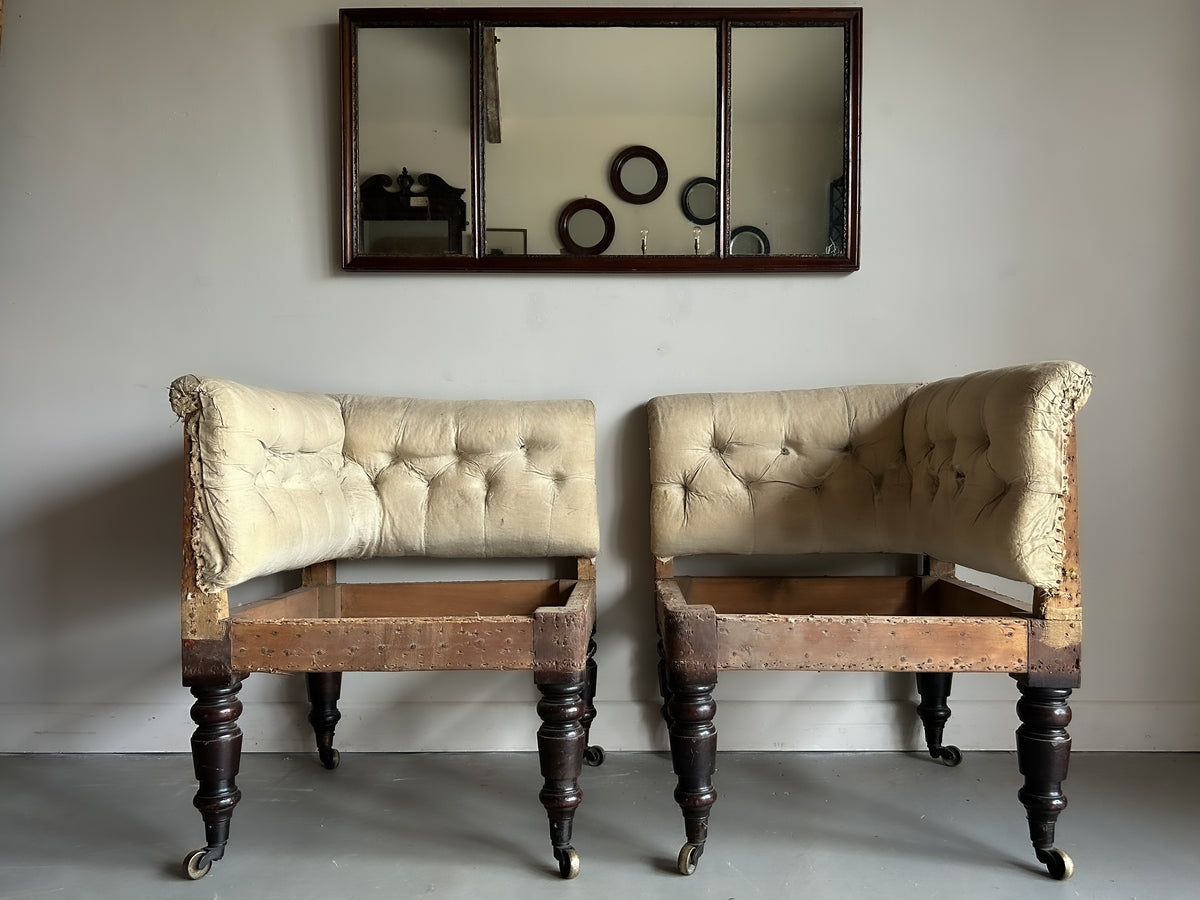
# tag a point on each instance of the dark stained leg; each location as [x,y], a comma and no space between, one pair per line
[1043,751]
[934,688]
[324,690]
[216,753]
[562,740]
[690,711]
[594,754]
[664,689]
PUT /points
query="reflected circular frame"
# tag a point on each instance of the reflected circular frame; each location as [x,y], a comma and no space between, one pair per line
[564,227]
[764,245]
[686,198]
[638,152]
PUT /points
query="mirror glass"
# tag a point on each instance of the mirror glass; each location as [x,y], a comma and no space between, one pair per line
[414,114]
[586,228]
[572,98]
[638,176]
[467,131]
[788,135]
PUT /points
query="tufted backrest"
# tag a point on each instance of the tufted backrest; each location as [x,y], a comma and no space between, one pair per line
[971,470]
[284,480]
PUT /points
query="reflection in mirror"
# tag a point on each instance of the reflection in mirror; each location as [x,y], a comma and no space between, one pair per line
[638,175]
[413,113]
[571,98]
[585,227]
[763,104]
[699,200]
[788,141]
[746,240]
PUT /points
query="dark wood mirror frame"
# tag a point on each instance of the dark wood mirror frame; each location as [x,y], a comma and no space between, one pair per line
[483,21]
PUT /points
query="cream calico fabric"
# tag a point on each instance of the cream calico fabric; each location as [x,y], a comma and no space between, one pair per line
[284,480]
[971,470]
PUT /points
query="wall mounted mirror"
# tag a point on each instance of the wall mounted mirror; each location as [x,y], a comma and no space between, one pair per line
[462,123]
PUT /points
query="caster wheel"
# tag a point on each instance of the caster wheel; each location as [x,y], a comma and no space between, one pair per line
[568,862]
[191,865]
[593,756]
[1058,864]
[332,759]
[689,856]
[950,755]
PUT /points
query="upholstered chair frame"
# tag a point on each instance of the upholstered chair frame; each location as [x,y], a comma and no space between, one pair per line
[706,500]
[327,626]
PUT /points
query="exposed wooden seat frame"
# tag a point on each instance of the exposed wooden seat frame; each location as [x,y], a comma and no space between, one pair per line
[327,627]
[929,623]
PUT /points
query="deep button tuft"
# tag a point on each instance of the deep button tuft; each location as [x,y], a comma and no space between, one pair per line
[784,451]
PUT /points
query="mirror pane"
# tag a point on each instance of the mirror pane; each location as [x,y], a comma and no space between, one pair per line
[570,98]
[414,90]
[639,176]
[788,134]
[586,228]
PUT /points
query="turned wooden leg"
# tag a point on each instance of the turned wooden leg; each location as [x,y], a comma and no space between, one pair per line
[593,755]
[216,753]
[1043,751]
[664,689]
[324,690]
[562,740]
[690,710]
[934,688]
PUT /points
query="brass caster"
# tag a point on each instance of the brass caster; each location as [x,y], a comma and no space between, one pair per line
[330,759]
[568,862]
[1058,864]
[689,856]
[593,756]
[195,866]
[949,755]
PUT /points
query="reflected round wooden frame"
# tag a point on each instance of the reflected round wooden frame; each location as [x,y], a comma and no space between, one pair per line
[638,152]
[564,227]
[685,200]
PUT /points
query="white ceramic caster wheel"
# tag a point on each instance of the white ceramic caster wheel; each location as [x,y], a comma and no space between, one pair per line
[191,865]
[689,855]
[568,863]
[332,760]
[1058,864]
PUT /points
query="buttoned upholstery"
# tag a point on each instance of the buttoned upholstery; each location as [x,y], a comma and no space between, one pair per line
[284,480]
[970,469]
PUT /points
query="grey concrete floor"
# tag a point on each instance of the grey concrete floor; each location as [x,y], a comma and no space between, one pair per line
[810,825]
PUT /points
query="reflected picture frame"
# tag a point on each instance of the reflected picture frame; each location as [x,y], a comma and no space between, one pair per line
[506,241]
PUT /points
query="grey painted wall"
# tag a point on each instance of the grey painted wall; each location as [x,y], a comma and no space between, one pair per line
[168,204]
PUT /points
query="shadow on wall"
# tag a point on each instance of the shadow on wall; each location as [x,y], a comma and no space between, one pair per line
[102,591]
[631,541]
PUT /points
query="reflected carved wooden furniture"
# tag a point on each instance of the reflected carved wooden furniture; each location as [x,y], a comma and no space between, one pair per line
[282,481]
[431,200]
[978,471]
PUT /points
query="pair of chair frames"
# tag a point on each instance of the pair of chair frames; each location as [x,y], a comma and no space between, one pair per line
[978,470]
